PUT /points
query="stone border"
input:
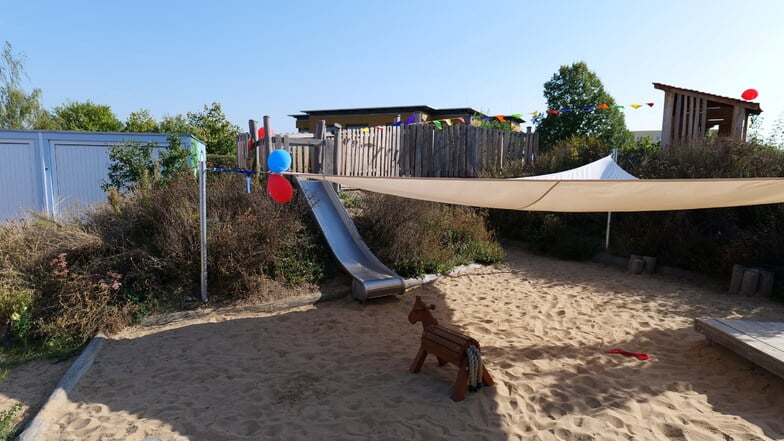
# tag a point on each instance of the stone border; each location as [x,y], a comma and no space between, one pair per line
[41,422]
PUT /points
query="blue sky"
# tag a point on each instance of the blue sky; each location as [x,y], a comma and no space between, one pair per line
[279,58]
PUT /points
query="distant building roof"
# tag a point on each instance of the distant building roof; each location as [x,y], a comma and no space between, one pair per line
[432,111]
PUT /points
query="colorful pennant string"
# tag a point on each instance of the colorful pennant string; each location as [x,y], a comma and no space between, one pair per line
[478,121]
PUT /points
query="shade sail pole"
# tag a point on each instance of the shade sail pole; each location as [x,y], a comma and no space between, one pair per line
[609,213]
[203,228]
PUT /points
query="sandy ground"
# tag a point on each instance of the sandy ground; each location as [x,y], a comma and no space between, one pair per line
[339,370]
[30,384]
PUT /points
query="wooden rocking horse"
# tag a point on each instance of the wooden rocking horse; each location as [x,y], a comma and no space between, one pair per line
[448,346]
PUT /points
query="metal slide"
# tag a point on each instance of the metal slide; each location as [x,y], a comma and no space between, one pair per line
[371,277]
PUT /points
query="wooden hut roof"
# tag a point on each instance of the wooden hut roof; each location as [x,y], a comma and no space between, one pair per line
[751,106]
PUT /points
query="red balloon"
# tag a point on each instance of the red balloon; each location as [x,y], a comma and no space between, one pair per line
[749,94]
[279,188]
[262,132]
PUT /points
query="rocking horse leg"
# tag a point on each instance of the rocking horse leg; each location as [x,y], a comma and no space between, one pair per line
[458,391]
[416,366]
[487,380]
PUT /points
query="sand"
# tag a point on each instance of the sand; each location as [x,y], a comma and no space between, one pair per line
[339,370]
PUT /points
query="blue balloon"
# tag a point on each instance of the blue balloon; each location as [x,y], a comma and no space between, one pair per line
[279,161]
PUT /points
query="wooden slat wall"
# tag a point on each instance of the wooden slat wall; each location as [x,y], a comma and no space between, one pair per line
[415,150]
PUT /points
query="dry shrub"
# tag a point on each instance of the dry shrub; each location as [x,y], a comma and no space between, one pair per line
[250,238]
[60,283]
[52,289]
[417,237]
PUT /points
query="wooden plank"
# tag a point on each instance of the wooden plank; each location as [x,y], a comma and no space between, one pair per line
[362,150]
[351,152]
[419,149]
[405,151]
[337,153]
[704,118]
[431,158]
[472,147]
[667,123]
[695,119]
[676,129]
[383,164]
[458,134]
[759,342]
[685,117]
[504,149]
[438,136]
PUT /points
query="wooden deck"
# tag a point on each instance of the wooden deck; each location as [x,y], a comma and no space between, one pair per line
[762,343]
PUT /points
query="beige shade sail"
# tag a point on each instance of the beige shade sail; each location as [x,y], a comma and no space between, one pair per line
[593,195]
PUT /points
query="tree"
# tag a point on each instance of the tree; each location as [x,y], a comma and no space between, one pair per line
[132,162]
[176,124]
[140,122]
[572,89]
[86,116]
[18,109]
[212,127]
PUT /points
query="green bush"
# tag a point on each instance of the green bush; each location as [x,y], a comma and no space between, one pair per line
[708,240]
[417,237]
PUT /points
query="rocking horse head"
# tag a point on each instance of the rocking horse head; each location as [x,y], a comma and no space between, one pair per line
[421,313]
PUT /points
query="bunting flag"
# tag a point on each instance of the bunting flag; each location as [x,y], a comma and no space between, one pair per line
[477,120]
[603,106]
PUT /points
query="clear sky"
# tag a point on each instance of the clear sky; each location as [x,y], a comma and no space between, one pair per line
[278,58]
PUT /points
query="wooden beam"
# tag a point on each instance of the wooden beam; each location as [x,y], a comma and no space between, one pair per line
[669,103]
[676,129]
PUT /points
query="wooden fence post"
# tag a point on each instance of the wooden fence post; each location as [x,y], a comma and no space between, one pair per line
[337,165]
[315,154]
[267,142]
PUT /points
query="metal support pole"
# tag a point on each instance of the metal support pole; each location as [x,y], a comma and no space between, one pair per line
[203,227]
[609,214]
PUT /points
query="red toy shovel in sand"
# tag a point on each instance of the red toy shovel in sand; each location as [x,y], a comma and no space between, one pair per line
[630,354]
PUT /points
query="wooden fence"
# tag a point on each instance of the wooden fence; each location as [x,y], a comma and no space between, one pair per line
[414,150]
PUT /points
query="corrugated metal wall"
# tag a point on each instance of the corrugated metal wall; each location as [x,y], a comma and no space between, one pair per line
[19,186]
[60,173]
